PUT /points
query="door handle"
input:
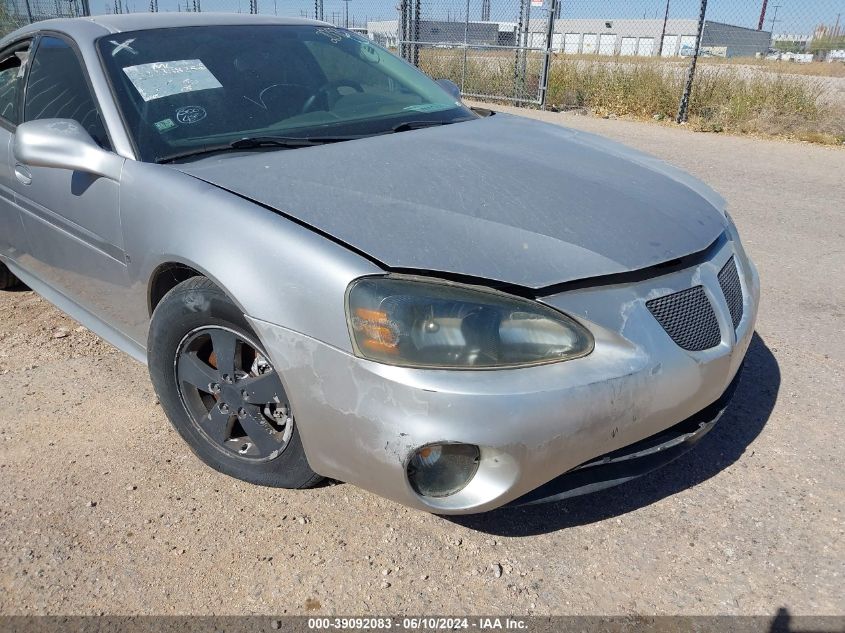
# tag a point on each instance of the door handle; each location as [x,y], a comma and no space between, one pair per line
[23,174]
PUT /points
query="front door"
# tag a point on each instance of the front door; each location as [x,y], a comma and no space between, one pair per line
[72,218]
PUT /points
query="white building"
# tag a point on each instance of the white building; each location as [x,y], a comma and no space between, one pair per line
[646,38]
[626,37]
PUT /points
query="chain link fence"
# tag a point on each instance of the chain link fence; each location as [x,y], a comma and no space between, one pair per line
[760,66]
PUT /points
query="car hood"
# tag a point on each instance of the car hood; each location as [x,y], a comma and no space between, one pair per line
[501,198]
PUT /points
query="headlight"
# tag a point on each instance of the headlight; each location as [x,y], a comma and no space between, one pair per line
[417,323]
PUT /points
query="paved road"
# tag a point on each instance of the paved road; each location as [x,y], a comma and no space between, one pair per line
[103,509]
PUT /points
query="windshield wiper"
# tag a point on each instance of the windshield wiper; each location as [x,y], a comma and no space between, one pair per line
[257,142]
[251,142]
[418,125]
[293,142]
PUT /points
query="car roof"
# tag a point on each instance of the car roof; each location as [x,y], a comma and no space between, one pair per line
[89,28]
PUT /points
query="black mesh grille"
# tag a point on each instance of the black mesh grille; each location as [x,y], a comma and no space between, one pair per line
[732,289]
[688,318]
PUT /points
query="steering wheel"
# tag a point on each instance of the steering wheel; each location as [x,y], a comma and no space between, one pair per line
[326,89]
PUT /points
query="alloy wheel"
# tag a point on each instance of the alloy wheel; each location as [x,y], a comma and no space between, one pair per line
[233,394]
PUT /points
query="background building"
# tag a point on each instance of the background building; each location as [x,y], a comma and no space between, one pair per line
[592,36]
[437,32]
[647,38]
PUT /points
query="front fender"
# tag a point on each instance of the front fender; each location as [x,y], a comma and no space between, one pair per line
[273,269]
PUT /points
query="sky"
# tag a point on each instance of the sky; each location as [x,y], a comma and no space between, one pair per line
[782,16]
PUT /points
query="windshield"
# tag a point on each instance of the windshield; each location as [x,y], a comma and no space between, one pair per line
[185,89]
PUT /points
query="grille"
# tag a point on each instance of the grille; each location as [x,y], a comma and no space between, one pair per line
[688,318]
[732,289]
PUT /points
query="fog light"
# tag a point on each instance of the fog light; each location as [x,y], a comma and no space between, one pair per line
[440,470]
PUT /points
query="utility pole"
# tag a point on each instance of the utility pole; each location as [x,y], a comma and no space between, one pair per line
[775,17]
[762,15]
[346,13]
[663,32]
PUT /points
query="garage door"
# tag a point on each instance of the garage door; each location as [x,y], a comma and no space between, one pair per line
[607,44]
[572,43]
[536,40]
[590,43]
[629,46]
[645,47]
[687,45]
[670,46]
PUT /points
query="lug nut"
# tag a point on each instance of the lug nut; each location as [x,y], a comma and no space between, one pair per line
[224,408]
[214,388]
[241,412]
[227,378]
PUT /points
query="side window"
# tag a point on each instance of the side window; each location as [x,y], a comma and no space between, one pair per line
[57,89]
[11,67]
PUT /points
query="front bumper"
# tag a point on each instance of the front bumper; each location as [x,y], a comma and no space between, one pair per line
[635,460]
[360,421]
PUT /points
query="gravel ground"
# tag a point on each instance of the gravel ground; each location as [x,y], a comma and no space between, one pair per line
[104,509]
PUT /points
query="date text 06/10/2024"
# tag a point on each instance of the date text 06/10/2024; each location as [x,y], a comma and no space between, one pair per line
[418,624]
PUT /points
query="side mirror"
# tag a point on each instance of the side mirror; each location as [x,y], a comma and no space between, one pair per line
[65,144]
[451,87]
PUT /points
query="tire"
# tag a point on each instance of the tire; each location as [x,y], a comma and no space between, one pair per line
[248,414]
[7,279]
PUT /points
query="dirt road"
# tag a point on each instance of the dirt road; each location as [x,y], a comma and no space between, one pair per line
[104,509]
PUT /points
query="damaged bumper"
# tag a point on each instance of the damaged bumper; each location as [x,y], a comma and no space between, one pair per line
[361,421]
[632,461]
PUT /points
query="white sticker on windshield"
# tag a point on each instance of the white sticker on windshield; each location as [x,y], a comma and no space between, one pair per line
[163,79]
[191,114]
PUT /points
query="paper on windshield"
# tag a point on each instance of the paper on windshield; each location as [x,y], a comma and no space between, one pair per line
[163,79]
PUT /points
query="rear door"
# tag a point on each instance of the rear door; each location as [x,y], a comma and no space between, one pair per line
[72,218]
[12,66]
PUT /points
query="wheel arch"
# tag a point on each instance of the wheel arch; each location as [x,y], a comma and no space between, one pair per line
[166,277]
[174,271]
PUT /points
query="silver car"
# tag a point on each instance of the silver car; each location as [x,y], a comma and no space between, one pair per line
[334,268]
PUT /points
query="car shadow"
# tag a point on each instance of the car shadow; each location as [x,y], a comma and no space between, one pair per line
[742,422]
[20,287]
